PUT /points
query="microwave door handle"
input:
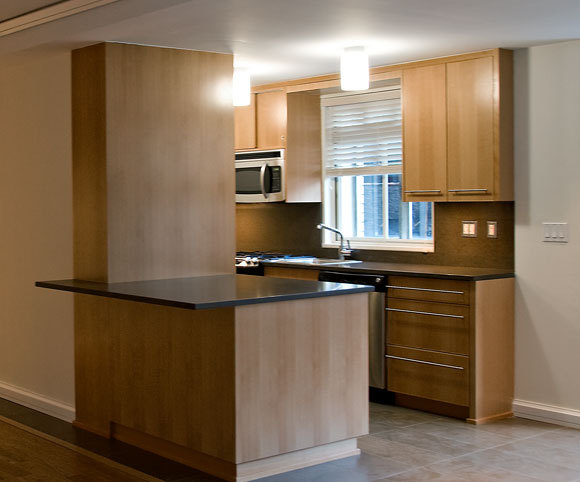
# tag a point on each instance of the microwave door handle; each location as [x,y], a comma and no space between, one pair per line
[262,179]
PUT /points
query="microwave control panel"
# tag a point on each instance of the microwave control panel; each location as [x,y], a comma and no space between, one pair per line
[276,172]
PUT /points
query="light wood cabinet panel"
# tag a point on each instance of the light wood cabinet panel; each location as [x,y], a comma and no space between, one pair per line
[431,326]
[291,273]
[470,116]
[141,207]
[428,374]
[245,125]
[429,289]
[271,119]
[303,148]
[476,338]
[424,134]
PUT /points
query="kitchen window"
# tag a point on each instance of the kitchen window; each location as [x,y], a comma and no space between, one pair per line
[362,173]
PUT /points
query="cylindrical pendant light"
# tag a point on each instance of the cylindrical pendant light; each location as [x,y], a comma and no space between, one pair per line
[354,69]
[241,87]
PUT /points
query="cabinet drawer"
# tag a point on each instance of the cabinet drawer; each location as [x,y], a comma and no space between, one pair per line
[431,326]
[427,374]
[429,289]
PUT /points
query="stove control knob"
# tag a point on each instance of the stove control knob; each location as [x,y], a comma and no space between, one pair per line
[378,280]
[255,260]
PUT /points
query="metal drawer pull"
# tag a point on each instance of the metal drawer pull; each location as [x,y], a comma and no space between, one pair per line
[426,289]
[425,362]
[467,190]
[424,313]
[418,191]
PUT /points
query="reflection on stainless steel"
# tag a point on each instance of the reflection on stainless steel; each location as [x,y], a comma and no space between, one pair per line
[376,339]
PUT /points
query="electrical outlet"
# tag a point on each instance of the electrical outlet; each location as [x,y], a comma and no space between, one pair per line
[492,229]
[469,229]
[555,232]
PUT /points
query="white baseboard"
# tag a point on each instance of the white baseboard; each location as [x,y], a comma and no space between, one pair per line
[547,413]
[37,402]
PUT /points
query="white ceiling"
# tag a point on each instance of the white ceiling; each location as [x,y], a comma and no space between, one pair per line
[284,39]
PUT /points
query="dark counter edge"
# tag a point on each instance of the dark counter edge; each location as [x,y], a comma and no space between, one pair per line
[395,272]
[54,285]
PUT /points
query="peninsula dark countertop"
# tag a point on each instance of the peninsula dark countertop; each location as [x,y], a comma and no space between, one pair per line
[206,292]
[400,269]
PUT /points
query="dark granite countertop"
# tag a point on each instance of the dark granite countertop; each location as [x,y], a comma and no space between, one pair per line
[418,270]
[205,292]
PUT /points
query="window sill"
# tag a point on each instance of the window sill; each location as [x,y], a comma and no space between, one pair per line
[408,246]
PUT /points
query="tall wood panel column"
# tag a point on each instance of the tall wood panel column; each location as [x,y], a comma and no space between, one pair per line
[154,198]
[153,170]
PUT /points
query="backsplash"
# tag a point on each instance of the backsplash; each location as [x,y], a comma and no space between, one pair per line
[291,228]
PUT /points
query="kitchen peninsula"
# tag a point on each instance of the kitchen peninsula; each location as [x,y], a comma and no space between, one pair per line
[240,376]
[237,376]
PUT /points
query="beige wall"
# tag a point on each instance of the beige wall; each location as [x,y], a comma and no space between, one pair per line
[36,331]
[548,190]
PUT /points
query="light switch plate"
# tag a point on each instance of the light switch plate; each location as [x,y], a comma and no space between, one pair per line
[555,232]
[492,229]
[469,229]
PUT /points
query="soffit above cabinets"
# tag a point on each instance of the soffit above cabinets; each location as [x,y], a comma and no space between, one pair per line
[10,10]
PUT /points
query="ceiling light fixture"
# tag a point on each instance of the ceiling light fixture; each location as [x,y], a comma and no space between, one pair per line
[241,87]
[354,69]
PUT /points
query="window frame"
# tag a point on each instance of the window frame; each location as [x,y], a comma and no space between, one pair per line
[329,207]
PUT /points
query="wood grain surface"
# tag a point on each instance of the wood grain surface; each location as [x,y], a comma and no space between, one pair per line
[167,372]
[303,165]
[301,374]
[424,133]
[470,128]
[271,117]
[154,197]
[245,125]
[32,455]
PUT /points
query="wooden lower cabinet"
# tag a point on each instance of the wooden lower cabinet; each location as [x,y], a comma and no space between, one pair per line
[427,325]
[449,343]
[458,353]
[428,374]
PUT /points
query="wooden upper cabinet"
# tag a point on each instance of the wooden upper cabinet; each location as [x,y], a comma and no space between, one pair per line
[278,120]
[470,121]
[424,134]
[271,119]
[303,148]
[458,129]
[245,125]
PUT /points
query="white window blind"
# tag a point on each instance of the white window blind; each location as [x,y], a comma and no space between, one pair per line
[362,172]
[362,131]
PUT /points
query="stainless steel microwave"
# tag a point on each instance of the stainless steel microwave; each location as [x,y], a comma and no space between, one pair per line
[260,176]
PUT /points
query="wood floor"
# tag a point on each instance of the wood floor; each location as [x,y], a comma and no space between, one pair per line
[29,457]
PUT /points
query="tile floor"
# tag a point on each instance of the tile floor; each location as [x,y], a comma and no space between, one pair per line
[407,445]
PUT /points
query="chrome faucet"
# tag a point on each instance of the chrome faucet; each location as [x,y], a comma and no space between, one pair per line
[342,251]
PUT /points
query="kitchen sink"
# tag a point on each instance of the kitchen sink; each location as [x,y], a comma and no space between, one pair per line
[315,261]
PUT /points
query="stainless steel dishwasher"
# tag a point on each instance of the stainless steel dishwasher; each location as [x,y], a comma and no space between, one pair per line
[377,377]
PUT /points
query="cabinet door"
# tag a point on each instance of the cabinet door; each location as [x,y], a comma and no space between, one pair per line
[271,115]
[428,374]
[245,125]
[424,134]
[470,137]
